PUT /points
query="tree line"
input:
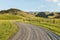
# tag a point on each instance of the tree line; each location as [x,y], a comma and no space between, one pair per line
[48,14]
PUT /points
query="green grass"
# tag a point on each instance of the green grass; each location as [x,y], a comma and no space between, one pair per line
[9,17]
[7,30]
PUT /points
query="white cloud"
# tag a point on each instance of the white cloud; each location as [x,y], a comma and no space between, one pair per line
[52,0]
[58,4]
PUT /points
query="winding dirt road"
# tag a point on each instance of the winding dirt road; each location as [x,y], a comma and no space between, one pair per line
[30,32]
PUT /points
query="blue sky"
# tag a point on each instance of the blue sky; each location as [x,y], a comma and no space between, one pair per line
[31,5]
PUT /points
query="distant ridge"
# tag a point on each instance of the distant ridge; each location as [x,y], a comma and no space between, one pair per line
[48,14]
[15,11]
[11,10]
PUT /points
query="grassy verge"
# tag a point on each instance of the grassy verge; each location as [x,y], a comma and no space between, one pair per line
[7,29]
[55,28]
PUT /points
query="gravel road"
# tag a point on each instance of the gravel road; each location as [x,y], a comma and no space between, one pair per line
[31,32]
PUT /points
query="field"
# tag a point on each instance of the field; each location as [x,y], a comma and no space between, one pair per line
[9,17]
[50,24]
[6,25]
[7,29]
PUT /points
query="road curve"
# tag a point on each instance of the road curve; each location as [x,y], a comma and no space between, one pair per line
[30,32]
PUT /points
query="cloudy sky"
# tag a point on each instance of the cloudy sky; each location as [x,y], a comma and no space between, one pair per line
[31,5]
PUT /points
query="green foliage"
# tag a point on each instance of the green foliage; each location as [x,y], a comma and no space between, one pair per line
[49,14]
[42,14]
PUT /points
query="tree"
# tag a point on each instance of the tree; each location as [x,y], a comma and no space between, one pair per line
[42,14]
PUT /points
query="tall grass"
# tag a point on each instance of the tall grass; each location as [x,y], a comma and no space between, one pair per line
[9,17]
[7,29]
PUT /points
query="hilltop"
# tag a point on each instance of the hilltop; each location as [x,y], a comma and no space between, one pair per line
[19,12]
[13,13]
[11,10]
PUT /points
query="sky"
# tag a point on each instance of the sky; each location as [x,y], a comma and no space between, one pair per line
[31,5]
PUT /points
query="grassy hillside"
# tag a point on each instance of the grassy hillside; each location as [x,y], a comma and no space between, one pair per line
[13,14]
[7,27]
[20,16]
[9,17]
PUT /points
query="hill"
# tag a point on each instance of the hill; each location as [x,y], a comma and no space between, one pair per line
[48,14]
[39,18]
[13,13]
[10,11]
